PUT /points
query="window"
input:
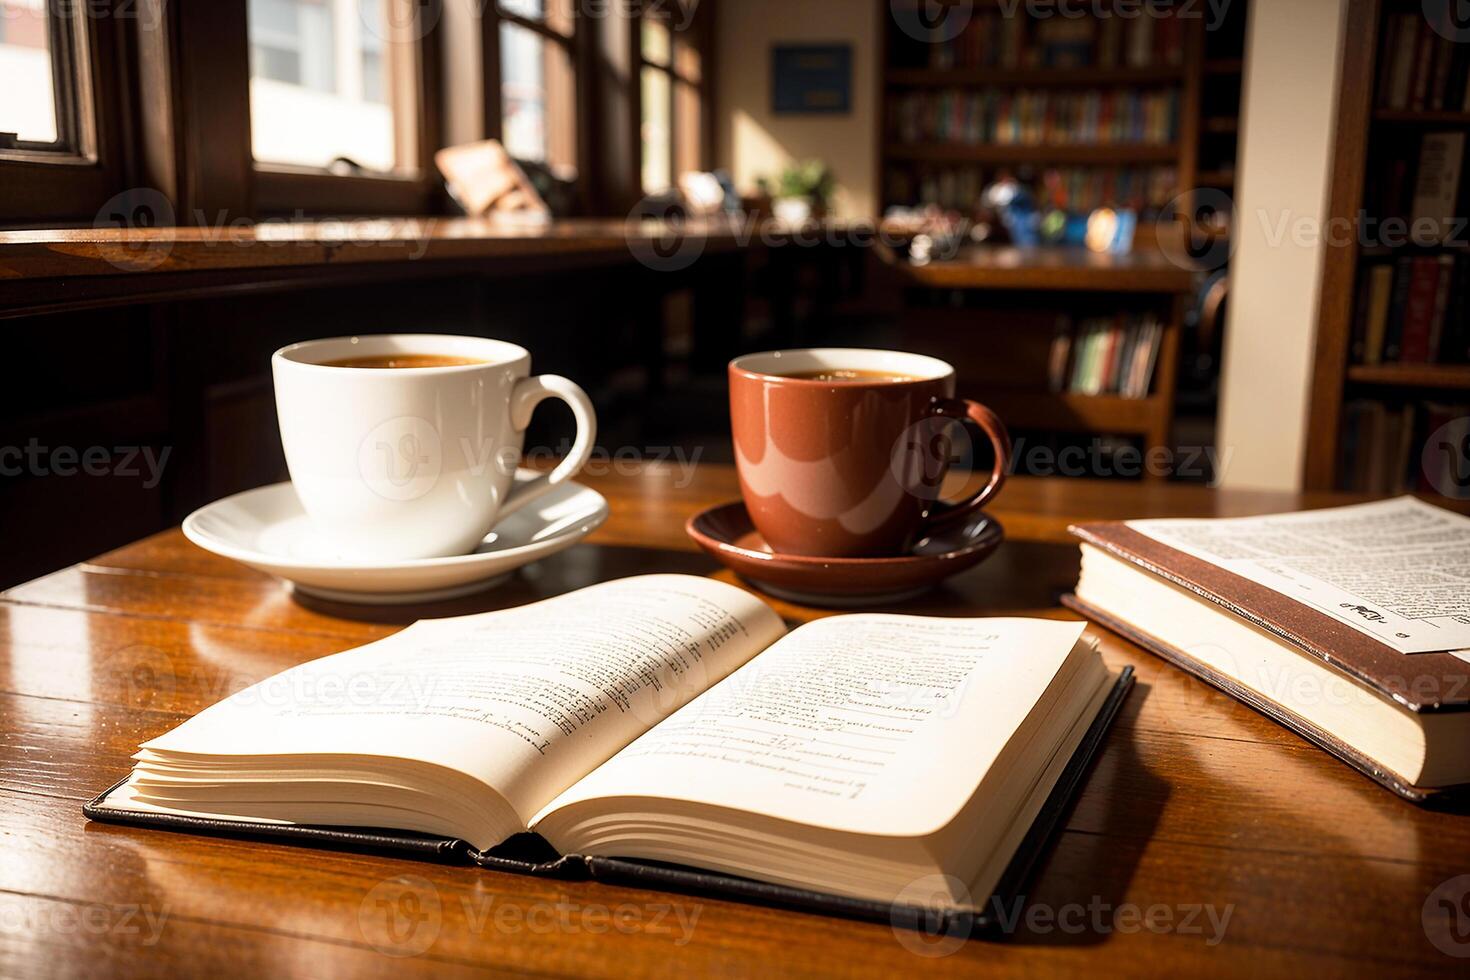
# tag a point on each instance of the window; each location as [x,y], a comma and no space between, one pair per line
[59,111]
[43,105]
[333,83]
[538,82]
[672,104]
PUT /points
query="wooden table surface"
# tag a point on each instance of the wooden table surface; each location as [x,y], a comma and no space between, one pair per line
[1206,839]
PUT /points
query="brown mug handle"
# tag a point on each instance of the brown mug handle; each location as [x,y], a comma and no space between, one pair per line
[964,410]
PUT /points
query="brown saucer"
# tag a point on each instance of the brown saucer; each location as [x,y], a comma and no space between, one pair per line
[727,533]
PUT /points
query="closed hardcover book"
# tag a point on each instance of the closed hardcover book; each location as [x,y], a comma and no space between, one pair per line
[1419,310]
[1444,281]
[1454,346]
[1437,184]
[1380,294]
[1403,275]
[1323,621]
[1402,66]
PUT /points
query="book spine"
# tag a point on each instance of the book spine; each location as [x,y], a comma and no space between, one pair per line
[1444,53]
[1454,347]
[1394,331]
[1387,50]
[1437,185]
[1423,53]
[1403,61]
[1444,277]
[1362,304]
[1419,311]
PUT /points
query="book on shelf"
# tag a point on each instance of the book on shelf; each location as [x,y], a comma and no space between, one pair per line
[1412,310]
[1382,445]
[991,40]
[1437,181]
[1421,67]
[1350,626]
[1035,117]
[1419,184]
[1077,189]
[647,727]
[1106,355]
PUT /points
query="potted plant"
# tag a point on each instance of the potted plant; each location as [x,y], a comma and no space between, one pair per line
[804,191]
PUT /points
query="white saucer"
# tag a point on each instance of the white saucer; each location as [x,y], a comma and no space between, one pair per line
[267,530]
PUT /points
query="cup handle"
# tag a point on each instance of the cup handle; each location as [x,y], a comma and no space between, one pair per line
[963,410]
[530,392]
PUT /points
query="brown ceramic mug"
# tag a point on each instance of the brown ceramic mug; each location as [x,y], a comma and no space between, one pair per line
[841,452]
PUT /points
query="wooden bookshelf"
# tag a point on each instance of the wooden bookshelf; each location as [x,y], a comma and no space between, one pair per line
[1034,77]
[1081,283]
[1219,106]
[899,77]
[1365,130]
[999,153]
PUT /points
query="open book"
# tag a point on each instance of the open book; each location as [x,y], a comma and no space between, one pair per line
[665,718]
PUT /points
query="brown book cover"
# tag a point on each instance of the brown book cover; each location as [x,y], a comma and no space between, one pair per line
[1420,682]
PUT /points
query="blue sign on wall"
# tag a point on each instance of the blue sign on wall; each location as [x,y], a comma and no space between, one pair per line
[811,78]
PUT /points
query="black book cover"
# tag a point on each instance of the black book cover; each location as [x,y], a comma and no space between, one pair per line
[530,854]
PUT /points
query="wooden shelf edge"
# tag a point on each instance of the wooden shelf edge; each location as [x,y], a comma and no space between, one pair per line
[1428,116]
[1412,375]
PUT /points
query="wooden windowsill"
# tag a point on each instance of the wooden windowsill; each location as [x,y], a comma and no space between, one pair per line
[93,268]
[70,253]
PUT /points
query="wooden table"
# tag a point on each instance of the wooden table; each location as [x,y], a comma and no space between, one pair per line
[1196,805]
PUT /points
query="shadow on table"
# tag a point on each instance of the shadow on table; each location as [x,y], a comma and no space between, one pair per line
[1021,576]
[1084,877]
[573,569]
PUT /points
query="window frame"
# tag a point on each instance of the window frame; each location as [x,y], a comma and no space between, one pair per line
[686,153]
[569,117]
[283,189]
[71,180]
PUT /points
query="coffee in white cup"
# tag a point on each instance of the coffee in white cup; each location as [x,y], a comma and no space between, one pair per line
[405,446]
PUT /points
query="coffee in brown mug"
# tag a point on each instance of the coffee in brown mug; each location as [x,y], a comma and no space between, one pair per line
[402,361]
[840,375]
[841,453]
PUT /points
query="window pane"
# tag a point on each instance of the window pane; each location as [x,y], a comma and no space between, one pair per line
[657,43]
[28,102]
[523,92]
[658,146]
[322,82]
[529,9]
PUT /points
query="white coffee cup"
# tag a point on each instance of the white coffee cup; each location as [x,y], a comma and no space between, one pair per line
[403,463]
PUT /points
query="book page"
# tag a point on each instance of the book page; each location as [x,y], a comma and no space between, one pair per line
[526,700]
[1397,570]
[869,723]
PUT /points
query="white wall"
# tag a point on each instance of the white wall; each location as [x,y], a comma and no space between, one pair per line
[1288,108]
[752,143]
